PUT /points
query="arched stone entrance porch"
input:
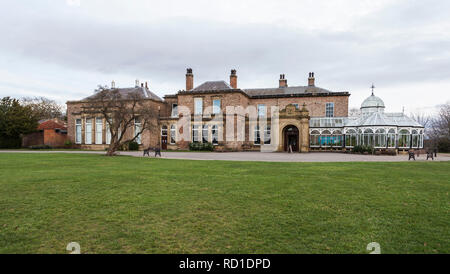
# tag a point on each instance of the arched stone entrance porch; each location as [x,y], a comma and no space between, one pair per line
[291,138]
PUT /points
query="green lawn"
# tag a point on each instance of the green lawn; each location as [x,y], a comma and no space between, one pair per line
[141,205]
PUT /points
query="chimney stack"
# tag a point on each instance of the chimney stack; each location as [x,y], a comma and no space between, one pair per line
[146,85]
[136,83]
[113,84]
[233,79]
[283,81]
[311,79]
[189,79]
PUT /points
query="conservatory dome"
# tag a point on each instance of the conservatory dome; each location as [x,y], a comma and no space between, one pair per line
[372,102]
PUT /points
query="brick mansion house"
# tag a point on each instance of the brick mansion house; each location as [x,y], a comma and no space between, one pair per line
[301,118]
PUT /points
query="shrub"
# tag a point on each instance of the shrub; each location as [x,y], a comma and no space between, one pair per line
[68,143]
[358,149]
[196,146]
[10,142]
[133,146]
[41,147]
[369,149]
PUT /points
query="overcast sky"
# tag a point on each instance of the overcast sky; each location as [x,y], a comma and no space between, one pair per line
[62,49]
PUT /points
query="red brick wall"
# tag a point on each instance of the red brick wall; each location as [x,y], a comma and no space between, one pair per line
[54,139]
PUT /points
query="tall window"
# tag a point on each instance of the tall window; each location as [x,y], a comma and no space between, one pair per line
[261,110]
[368,137]
[325,139]
[173,135]
[78,131]
[329,110]
[314,138]
[215,134]
[198,106]
[421,139]
[174,110]
[216,106]
[350,138]
[195,137]
[391,138]
[137,130]
[108,134]
[415,139]
[380,138]
[88,132]
[205,133]
[337,138]
[257,136]
[404,138]
[98,130]
[267,135]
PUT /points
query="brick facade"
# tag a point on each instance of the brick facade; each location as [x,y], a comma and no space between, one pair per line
[303,102]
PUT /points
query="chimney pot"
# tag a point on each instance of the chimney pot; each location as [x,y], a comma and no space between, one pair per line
[233,79]
[189,79]
[113,84]
[283,81]
[311,79]
[146,85]
[137,83]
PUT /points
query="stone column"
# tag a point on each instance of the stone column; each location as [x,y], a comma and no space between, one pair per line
[304,129]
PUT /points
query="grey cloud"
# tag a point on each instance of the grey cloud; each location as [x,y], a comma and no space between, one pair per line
[163,50]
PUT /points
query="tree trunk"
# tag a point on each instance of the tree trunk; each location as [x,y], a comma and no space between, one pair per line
[112,150]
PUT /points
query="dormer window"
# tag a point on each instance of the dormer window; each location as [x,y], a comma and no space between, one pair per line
[174,110]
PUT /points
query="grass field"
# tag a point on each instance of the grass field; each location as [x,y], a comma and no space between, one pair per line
[139,205]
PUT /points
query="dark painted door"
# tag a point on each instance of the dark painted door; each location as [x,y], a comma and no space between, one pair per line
[163,142]
[291,138]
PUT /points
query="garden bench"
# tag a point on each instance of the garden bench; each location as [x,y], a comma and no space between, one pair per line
[157,151]
[411,155]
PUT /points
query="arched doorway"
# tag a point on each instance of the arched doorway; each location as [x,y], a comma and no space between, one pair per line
[290,134]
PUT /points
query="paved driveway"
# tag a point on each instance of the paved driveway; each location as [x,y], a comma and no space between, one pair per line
[261,156]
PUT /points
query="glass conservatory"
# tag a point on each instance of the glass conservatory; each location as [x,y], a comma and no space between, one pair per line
[372,127]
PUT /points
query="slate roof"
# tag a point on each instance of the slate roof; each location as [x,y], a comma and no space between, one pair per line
[285,91]
[213,85]
[144,92]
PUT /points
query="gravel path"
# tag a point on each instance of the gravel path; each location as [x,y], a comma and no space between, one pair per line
[259,156]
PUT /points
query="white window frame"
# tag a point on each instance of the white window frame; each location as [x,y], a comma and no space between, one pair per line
[174,110]
[215,134]
[216,109]
[137,128]
[88,133]
[328,106]
[173,134]
[256,134]
[198,106]
[267,135]
[98,131]
[205,136]
[107,134]
[78,135]
[262,110]
[195,128]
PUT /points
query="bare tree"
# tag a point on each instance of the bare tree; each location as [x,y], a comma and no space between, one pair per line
[353,112]
[44,108]
[120,113]
[421,118]
[440,128]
